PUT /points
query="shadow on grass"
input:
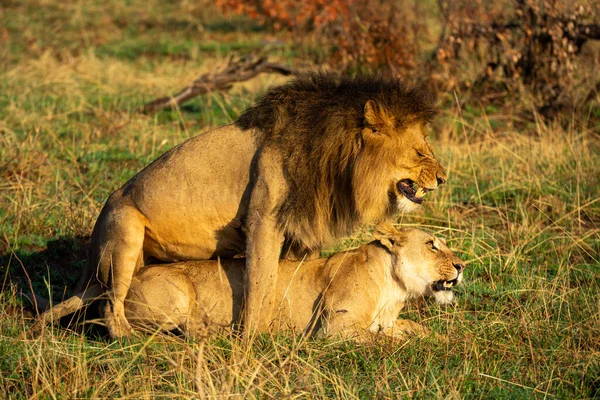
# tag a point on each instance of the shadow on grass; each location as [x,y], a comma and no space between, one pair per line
[50,273]
[592,380]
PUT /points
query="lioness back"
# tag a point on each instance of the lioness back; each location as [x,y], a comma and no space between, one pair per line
[188,295]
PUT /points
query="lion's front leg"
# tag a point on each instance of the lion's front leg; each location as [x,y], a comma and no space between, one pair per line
[261,274]
[264,240]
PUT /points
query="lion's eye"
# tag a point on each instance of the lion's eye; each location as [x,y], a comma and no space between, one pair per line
[432,246]
[420,154]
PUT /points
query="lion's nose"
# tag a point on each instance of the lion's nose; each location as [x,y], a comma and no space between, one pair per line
[441,180]
[459,267]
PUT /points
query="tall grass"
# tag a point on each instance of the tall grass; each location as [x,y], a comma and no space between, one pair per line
[522,206]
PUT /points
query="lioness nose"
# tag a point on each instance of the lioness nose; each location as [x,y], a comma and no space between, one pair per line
[459,267]
[441,180]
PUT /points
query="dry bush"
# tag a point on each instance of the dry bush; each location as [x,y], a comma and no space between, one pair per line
[496,47]
[371,33]
[529,42]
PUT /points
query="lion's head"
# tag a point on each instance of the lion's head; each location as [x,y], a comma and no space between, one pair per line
[400,150]
[423,262]
[355,151]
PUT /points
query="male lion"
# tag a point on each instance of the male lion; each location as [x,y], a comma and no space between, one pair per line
[352,294]
[311,161]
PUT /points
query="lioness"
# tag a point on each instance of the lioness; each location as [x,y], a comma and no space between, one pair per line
[310,162]
[352,294]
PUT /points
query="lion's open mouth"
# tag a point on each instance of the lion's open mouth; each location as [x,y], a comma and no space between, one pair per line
[407,188]
[442,285]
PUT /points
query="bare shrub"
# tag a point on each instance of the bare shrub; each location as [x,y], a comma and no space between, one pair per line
[366,33]
[529,42]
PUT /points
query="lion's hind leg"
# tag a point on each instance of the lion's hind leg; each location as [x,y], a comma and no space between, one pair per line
[120,255]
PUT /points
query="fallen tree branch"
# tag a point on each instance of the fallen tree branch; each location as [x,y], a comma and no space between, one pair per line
[237,70]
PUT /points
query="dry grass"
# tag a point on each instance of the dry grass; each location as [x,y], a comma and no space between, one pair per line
[522,205]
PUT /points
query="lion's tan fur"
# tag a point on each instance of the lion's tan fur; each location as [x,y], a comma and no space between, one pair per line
[353,294]
[309,163]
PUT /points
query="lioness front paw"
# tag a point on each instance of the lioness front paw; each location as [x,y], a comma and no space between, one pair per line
[410,327]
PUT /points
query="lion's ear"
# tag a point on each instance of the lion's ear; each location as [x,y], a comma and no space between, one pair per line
[376,116]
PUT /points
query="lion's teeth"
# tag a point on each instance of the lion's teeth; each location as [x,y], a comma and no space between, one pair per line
[447,284]
[420,192]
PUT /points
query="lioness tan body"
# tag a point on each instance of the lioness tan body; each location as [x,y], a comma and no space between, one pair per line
[310,163]
[352,293]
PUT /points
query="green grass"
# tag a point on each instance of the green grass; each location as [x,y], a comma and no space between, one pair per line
[522,206]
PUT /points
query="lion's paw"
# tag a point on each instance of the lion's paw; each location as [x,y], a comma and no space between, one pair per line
[117,324]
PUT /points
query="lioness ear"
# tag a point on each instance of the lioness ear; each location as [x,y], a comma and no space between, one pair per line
[375,116]
[387,241]
[384,234]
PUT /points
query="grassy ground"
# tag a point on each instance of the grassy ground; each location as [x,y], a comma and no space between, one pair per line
[522,205]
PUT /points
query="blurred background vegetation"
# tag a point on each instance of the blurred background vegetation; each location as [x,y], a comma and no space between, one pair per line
[544,53]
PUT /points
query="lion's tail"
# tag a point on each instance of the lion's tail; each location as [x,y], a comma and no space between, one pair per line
[72,304]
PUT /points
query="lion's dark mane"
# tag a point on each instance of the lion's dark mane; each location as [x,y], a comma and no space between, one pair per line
[316,121]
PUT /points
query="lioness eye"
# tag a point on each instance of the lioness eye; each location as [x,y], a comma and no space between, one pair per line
[432,246]
[420,154]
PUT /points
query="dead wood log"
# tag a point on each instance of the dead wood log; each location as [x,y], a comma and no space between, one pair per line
[237,70]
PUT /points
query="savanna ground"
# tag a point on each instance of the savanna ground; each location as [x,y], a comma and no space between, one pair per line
[522,206]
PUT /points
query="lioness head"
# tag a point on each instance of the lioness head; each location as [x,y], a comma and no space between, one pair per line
[412,168]
[423,262]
